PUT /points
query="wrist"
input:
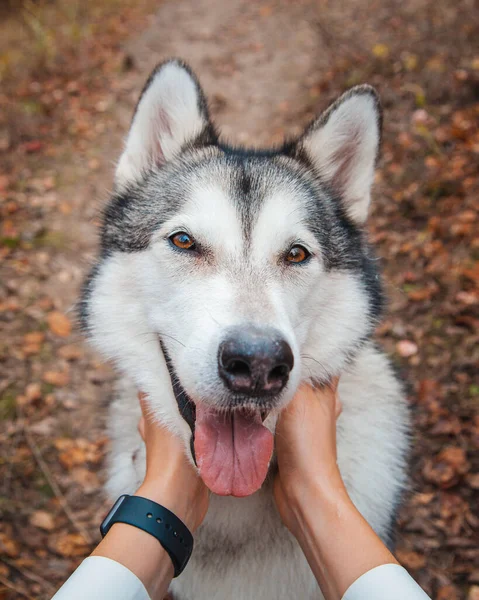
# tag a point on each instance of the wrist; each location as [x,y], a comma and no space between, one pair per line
[326,498]
[162,493]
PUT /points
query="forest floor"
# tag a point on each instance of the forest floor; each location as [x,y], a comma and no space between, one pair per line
[268,68]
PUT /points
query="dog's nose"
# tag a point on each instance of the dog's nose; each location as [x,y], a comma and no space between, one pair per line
[255,361]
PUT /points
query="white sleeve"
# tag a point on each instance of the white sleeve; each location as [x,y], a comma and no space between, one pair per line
[100,578]
[386,582]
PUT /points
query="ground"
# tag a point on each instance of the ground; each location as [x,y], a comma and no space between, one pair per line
[268,68]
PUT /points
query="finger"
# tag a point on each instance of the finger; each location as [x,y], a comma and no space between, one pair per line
[333,384]
[304,394]
[142,399]
[141,428]
[339,406]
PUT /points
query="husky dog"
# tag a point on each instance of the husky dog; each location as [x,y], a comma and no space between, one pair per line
[226,277]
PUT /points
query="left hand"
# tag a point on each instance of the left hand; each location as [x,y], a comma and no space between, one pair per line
[170,480]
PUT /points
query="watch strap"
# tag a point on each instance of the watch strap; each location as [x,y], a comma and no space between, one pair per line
[156,520]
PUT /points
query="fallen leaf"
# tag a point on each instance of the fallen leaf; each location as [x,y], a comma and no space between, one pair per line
[439,473]
[4,182]
[473,481]
[410,559]
[70,352]
[73,456]
[422,294]
[44,427]
[78,452]
[266,11]
[59,323]
[42,520]
[88,480]
[33,392]
[456,457]
[473,593]
[423,498]
[447,592]
[406,348]
[69,544]
[468,298]
[380,51]
[9,546]
[34,337]
[56,378]
[33,146]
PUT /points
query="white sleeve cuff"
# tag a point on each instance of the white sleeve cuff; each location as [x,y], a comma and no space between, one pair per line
[386,582]
[101,578]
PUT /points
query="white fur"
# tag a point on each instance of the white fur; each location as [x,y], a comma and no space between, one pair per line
[167,117]
[344,151]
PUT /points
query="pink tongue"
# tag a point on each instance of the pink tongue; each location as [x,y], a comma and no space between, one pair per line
[232,450]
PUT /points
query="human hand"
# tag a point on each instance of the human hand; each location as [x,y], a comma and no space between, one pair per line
[311,497]
[306,451]
[170,478]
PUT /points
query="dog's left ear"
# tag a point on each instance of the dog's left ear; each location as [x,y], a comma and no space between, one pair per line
[342,144]
[171,114]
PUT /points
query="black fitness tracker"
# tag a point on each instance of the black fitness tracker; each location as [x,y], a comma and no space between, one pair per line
[156,520]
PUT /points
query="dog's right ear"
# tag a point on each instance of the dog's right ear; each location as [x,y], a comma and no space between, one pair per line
[171,113]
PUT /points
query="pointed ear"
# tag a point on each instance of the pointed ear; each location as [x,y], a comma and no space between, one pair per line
[171,113]
[343,145]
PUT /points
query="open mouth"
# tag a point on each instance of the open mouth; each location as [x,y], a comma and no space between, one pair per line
[232,449]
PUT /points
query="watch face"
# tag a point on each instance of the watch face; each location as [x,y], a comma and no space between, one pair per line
[105,526]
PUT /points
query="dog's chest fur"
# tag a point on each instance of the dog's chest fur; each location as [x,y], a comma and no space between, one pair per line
[242,550]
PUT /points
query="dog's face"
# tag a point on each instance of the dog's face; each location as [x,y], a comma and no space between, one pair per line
[247,270]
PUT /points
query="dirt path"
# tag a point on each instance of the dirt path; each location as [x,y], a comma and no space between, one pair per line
[267,68]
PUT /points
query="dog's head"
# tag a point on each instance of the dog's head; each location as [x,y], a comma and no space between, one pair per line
[246,270]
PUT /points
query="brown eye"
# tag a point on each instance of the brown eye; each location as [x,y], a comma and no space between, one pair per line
[297,255]
[183,240]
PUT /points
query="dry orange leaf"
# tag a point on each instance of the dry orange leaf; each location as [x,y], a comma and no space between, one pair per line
[72,457]
[411,560]
[473,593]
[42,520]
[33,392]
[70,352]
[70,544]
[381,51]
[422,294]
[34,337]
[447,592]
[455,457]
[266,11]
[57,378]
[59,323]
[9,546]
[78,452]
[86,478]
[406,348]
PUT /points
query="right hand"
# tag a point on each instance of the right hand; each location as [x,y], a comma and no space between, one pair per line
[306,450]
[170,478]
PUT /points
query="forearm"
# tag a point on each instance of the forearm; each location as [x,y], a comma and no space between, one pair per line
[140,552]
[338,543]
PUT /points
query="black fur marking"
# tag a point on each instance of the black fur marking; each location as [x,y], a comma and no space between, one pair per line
[85,295]
[185,405]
